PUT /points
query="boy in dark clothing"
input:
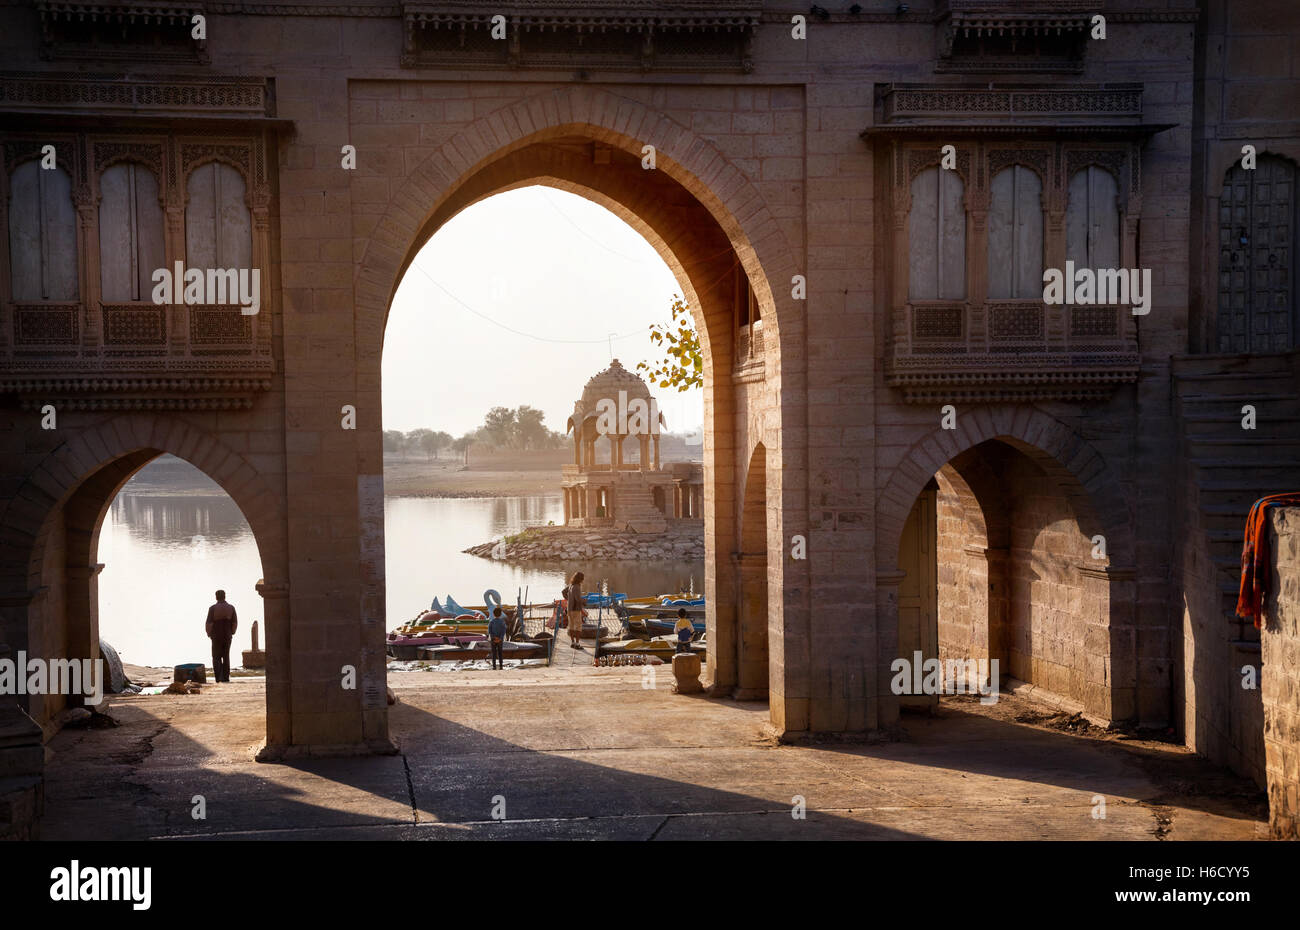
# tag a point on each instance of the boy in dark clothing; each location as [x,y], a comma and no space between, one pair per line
[220,627]
[496,638]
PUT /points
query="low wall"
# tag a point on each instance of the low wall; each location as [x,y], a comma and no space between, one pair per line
[1280,678]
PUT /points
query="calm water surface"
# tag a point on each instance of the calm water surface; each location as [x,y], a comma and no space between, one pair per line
[172,537]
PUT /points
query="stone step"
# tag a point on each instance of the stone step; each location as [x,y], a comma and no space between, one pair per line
[1226,537]
[1280,394]
[1268,423]
[1225,517]
[1216,363]
[1235,381]
[1224,379]
[1272,475]
[1273,411]
[1246,447]
[1222,488]
[1227,570]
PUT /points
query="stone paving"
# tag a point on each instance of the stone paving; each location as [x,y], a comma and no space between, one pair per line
[584,752]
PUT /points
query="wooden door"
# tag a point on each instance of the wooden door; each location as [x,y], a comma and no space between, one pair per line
[918,594]
[1257,216]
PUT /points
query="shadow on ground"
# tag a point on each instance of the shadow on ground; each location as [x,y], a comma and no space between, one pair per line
[598,756]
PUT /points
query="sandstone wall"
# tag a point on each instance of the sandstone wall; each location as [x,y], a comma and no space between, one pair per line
[1280,678]
[1217,717]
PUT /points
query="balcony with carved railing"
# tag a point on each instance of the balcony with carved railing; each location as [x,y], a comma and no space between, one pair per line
[1059,146]
[134,356]
[1008,350]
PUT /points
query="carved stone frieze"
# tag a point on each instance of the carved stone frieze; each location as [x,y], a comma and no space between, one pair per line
[1034,104]
[163,94]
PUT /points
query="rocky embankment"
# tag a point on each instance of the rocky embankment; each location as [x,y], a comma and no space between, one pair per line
[565,544]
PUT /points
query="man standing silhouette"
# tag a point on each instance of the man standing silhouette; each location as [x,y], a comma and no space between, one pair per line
[220,626]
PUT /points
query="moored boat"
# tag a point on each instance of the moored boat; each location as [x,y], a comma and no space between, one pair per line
[408,645]
[482,650]
[657,647]
[657,626]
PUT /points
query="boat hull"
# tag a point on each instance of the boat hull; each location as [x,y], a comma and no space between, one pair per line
[512,650]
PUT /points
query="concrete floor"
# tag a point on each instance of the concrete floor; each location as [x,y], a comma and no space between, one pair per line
[591,753]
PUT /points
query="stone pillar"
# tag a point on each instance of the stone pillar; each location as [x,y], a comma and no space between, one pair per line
[568,498]
[1110,643]
[279,694]
[178,320]
[81,608]
[884,714]
[656,442]
[645,453]
[751,673]
[88,240]
[1056,323]
[686,673]
[577,446]
[261,217]
[977,268]
[255,657]
[999,608]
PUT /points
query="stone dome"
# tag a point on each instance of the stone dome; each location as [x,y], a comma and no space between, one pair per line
[606,385]
[609,382]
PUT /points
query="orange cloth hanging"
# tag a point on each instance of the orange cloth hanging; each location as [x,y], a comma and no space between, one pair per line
[1255,556]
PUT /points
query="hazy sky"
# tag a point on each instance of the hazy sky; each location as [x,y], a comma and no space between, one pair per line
[470,323]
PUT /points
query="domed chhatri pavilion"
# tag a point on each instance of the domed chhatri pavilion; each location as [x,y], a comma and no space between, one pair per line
[627,488]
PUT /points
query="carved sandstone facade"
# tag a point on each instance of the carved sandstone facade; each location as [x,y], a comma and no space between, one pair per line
[847,287]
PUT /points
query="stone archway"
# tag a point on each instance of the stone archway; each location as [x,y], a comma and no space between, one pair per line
[52,527]
[700,213]
[1103,598]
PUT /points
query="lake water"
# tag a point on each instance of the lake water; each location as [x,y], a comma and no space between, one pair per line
[172,537]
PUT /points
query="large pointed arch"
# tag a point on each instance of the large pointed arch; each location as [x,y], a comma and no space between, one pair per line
[722,212]
[1094,490]
[50,531]
[692,161]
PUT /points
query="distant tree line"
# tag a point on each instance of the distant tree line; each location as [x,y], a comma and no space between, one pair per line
[520,429]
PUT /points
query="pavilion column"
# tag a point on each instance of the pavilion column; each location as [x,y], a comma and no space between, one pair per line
[645,453]
[656,442]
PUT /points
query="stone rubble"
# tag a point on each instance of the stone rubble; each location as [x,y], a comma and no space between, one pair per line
[563,544]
